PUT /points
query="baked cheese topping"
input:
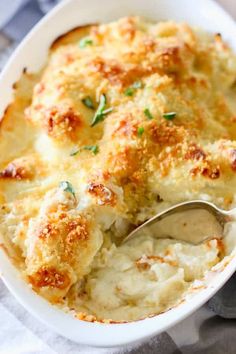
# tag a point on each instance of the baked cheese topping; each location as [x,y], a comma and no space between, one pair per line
[126,119]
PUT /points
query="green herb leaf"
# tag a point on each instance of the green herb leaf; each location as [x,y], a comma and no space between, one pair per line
[137,84]
[67,187]
[129,91]
[93,148]
[74,152]
[140,131]
[101,111]
[84,42]
[169,115]
[108,110]
[87,101]
[98,117]
[148,114]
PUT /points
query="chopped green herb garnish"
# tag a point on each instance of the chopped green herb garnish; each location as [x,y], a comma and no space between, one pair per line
[108,110]
[169,115]
[129,91]
[92,148]
[84,42]
[137,84]
[75,151]
[148,114]
[87,101]
[67,187]
[101,111]
[140,131]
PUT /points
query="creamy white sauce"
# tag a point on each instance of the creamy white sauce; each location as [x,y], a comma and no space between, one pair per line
[191,226]
[150,274]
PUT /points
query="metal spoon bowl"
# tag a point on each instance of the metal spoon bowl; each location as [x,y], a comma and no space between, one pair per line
[193,222]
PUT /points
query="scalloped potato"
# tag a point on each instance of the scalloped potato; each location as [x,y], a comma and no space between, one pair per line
[125,119]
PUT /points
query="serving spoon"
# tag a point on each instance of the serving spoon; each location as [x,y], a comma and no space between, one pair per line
[193,222]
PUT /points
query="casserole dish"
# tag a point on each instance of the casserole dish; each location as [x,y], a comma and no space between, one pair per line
[65,17]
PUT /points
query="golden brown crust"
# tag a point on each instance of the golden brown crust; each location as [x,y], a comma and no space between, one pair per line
[49,277]
[66,122]
[212,172]
[104,195]
[19,169]
[61,244]
[14,171]
[195,153]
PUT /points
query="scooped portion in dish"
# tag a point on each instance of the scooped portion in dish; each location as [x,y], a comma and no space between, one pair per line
[144,277]
[125,120]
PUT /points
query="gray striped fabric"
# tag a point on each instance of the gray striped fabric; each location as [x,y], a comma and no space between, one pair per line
[203,332]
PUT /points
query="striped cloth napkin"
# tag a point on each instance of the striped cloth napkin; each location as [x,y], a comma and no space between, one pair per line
[210,330]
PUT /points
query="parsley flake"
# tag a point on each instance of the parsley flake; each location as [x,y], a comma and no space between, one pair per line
[87,101]
[75,151]
[169,115]
[93,148]
[84,42]
[147,113]
[101,111]
[140,131]
[131,90]
[67,187]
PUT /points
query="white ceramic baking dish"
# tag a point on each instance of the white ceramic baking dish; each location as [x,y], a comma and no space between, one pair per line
[32,54]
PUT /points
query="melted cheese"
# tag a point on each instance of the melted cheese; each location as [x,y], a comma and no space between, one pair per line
[142,162]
